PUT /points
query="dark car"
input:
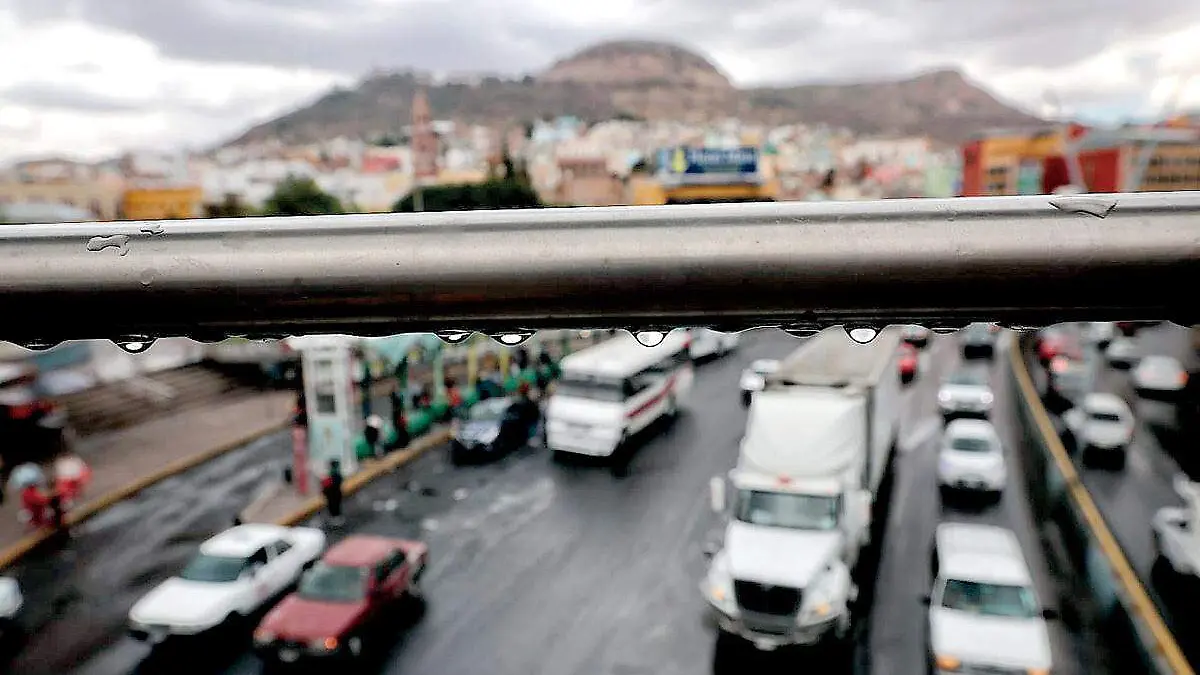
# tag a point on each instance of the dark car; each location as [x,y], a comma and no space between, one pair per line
[492,428]
[979,340]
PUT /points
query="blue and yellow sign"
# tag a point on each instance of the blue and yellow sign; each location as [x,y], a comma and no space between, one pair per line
[688,161]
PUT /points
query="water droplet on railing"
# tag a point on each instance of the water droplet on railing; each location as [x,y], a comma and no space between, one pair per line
[152,229]
[512,338]
[117,241]
[650,338]
[943,330]
[453,337]
[1092,206]
[136,346]
[861,334]
[802,330]
[146,277]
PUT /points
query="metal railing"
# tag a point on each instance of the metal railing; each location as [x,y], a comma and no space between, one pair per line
[1017,260]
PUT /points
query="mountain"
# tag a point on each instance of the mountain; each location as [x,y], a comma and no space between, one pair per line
[649,80]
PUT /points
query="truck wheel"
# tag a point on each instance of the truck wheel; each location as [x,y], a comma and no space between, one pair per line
[355,646]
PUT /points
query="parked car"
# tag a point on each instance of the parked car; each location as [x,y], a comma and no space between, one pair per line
[1122,352]
[235,574]
[984,612]
[347,601]
[966,393]
[1102,427]
[491,428]
[707,343]
[754,377]
[1159,377]
[971,459]
[1174,530]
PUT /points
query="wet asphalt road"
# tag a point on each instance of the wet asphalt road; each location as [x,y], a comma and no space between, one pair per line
[77,599]
[543,568]
[1129,498]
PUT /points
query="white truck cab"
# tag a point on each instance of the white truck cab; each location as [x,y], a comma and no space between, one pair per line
[984,613]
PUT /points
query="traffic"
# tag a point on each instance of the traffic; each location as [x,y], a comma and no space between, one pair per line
[773,503]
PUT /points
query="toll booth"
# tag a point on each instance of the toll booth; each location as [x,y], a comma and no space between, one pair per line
[333,403]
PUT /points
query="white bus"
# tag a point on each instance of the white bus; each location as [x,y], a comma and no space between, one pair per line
[610,391]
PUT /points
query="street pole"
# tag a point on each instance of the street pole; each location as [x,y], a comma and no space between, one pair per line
[418,198]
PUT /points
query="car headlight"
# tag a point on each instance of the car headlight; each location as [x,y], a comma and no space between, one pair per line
[263,637]
[820,598]
[719,585]
[943,396]
[947,662]
[986,397]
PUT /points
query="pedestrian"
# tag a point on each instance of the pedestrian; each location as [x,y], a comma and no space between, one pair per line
[331,487]
[372,431]
[57,515]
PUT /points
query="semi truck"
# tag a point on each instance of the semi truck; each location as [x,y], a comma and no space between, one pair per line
[805,505]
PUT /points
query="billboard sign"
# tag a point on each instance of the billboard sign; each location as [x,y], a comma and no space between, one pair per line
[690,164]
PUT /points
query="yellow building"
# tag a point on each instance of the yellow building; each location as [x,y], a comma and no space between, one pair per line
[160,203]
[100,196]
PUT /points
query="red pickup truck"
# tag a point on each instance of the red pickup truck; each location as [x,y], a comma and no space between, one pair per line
[342,605]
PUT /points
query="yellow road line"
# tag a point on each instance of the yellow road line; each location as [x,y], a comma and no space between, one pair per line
[1164,645]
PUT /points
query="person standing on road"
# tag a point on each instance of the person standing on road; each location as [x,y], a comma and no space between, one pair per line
[331,487]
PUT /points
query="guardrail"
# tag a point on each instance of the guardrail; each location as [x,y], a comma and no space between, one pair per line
[1135,631]
[1017,260]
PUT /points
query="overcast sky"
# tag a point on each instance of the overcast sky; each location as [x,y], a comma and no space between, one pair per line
[92,77]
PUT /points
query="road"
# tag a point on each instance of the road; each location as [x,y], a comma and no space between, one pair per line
[77,598]
[545,568]
[1128,499]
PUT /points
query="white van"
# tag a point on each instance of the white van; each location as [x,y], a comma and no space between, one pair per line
[611,391]
[984,614]
[708,343]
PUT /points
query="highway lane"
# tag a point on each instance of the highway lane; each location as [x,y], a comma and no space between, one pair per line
[546,568]
[77,598]
[1128,499]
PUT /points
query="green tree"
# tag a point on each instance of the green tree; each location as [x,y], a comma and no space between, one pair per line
[503,194]
[300,196]
[231,206]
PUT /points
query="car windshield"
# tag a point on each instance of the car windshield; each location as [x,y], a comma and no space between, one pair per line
[970,444]
[989,599]
[488,411]
[583,386]
[213,568]
[795,511]
[968,377]
[331,583]
[1105,416]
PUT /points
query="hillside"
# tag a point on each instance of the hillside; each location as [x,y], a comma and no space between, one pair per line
[653,81]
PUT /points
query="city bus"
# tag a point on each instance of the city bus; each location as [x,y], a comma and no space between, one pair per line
[613,390]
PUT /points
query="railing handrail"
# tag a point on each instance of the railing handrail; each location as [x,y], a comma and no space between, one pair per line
[1019,260]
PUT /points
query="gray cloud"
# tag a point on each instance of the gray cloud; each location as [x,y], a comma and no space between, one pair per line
[57,97]
[791,38]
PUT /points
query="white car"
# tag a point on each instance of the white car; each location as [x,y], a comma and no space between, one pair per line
[1103,424]
[707,342]
[754,377]
[1099,333]
[1176,538]
[1159,376]
[966,393]
[917,336]
[11,601]
[1122,352]
[971,458]
[234,574]
[984,614]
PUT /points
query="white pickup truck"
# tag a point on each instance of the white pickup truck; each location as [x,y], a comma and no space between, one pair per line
[235,574]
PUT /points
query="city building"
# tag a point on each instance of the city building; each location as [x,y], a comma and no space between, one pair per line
[587,181]
[158,202]
[69,184]
[1011,162]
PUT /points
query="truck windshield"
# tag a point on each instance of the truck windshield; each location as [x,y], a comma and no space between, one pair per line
[333,583]
[795,511]
[582,386]
[989,599]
